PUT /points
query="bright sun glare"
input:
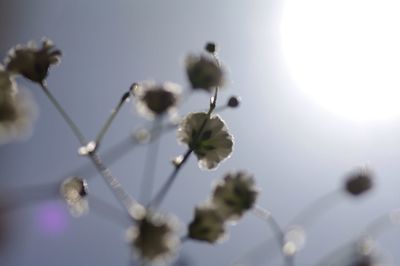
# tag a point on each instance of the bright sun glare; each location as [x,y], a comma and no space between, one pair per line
[346,54]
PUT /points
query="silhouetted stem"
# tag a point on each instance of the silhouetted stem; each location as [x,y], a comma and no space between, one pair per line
[315,209]
[146,187]
[381,223]
[111,118]
[28,195]
[128,202]
[108,211]
[167,185]
[266,216]
[122,196]
[75,129]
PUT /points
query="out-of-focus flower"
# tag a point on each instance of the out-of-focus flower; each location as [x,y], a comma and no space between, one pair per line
[208,137]
[18,112]
[154,237]
[203,72]
[74,190]
[156,99]
[234,195]
[7,83]
[207,225]
[294,240]
[359,182]
[32,62]
[362,253]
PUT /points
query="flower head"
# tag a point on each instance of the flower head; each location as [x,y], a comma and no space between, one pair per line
[203,72]
[207,225]
[156,99]
[74,191]
[208,137]
[154,237]
[234,195]
[362,253]
[359,182]
[32,62]
[18,110]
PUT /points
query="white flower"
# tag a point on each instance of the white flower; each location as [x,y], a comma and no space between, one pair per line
[207,225]
[154,238]
[18,110]
[156,99]
[32,62]
[203,72]
[208,137]
[234,195]
[74,191]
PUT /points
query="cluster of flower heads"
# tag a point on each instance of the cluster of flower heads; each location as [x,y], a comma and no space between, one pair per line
[155,237]
[18,110]
[235,194]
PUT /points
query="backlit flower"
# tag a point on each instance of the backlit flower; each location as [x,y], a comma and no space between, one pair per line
[154,237]
[207,225]
[18,112]
[203,72]
[74,191]
[234,195]
[32,62]
[156,99]
[208,137]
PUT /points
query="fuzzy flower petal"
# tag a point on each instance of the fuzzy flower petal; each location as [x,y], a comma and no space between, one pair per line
[74,191]
[207,225]
[203,72]
[234,195]
[32,62]
[154,238]
[18,111]
[156,99]
[209,138]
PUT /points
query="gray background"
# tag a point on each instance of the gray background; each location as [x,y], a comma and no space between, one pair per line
[296,150]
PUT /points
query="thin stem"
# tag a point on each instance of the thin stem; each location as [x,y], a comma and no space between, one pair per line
[26,196]
[128,202]
[146,187]
[122,196]
[108,211]
[75,129]
[111,118]
[315,209]
[266,216]
[381,222]
[167,185]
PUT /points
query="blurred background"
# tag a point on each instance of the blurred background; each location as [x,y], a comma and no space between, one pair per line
[281,56]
